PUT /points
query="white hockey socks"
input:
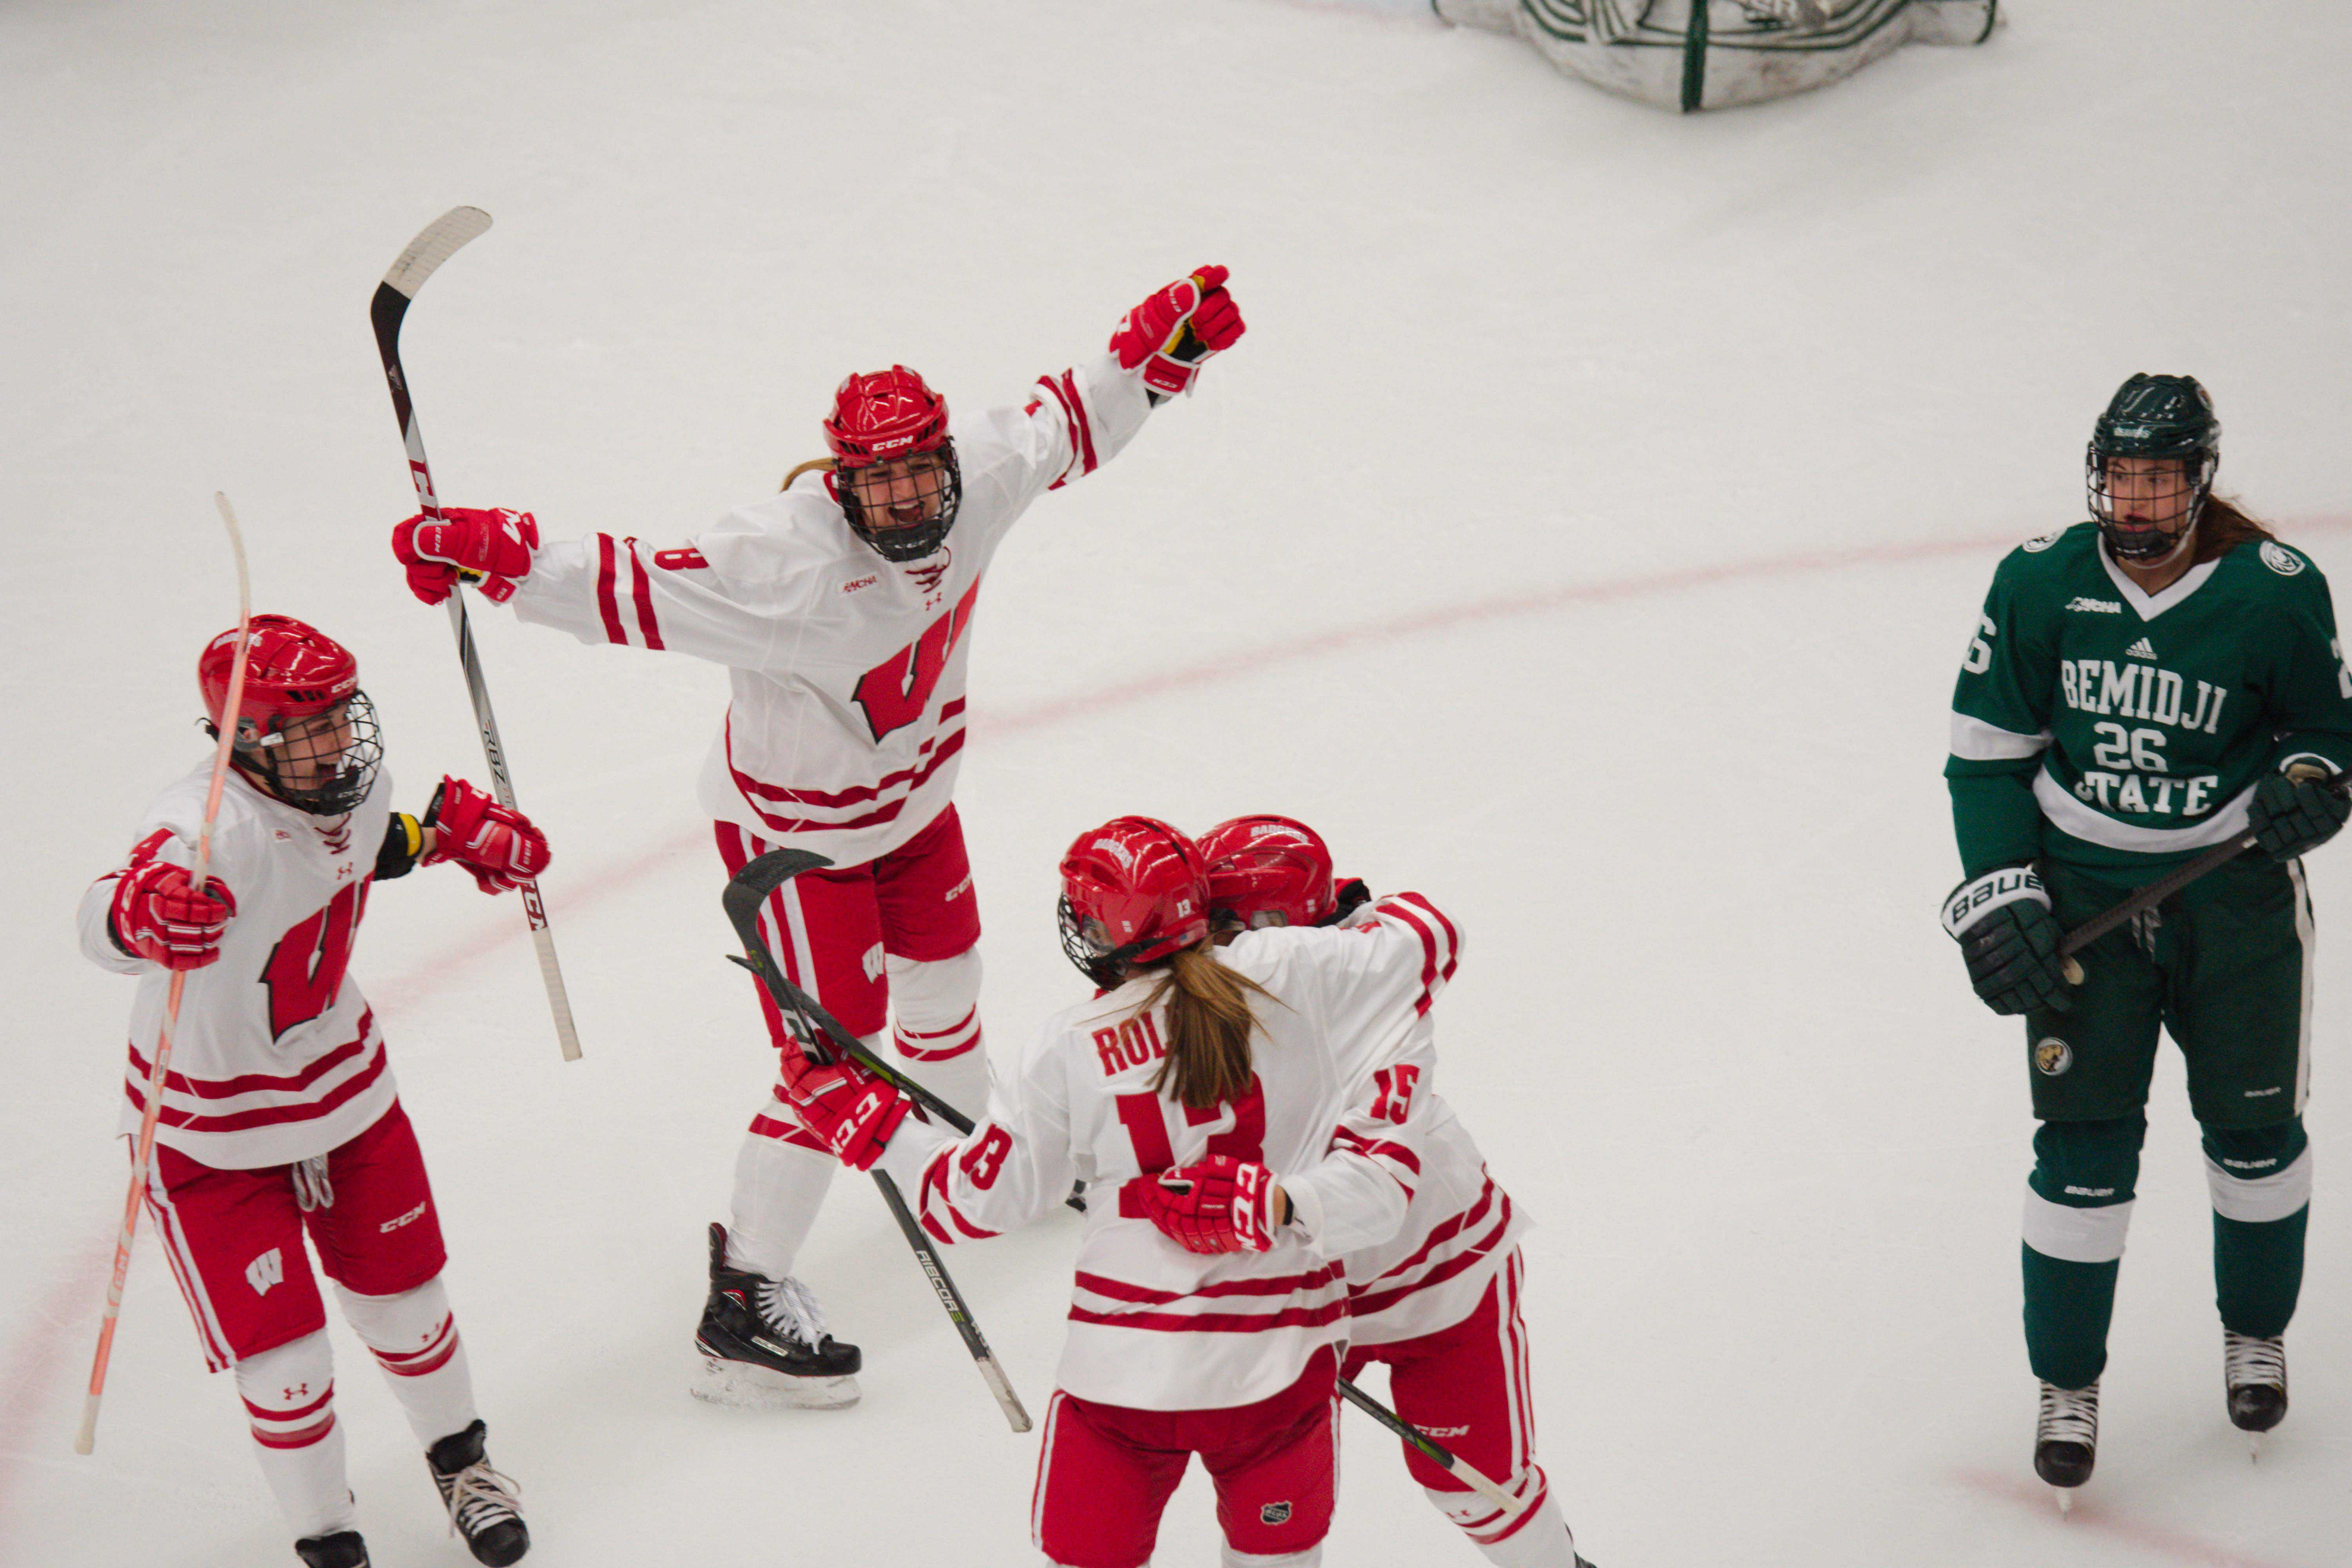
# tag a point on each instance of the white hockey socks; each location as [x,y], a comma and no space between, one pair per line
[416,1343]
[289,1398]
[1538,1538]
[778,1187]
[935,1027]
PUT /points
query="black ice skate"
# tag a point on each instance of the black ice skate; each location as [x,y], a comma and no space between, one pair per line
[2066,1438]
[2254,1371]
[483,1504]
[763,1342]
[344,1549]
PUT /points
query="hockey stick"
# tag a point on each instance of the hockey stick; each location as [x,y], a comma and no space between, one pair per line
[143,1150]
[2164,887]
[746,892]
[428,251]
[750,888]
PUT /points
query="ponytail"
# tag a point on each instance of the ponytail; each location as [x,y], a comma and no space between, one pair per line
[2223,527]
[826,463]
[1208,1024]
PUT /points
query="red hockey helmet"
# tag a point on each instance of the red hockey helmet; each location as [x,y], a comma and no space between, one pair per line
[894,476]
[305,730]
[1268,870]
[1132,891]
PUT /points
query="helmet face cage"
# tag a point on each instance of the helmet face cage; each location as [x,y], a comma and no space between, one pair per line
[2164,425]
[339,750]
[938,493]
[1084,946]
[2189,475]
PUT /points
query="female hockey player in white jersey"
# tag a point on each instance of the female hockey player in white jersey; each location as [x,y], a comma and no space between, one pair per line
[279,1115]
[840,605]
[1245,1118]
[1439,1302]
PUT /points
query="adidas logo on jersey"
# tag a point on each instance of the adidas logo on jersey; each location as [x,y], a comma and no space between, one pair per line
[2101,606]
[2140,649]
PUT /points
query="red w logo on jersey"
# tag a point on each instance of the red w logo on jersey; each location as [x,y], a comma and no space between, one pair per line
[895,692]
[306,967]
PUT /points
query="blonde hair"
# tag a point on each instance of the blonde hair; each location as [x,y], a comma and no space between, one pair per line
[822,463]
[1208,1024]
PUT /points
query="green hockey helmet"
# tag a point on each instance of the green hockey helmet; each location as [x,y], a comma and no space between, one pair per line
[2164,428]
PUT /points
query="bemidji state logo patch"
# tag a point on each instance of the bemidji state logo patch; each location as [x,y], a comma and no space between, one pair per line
[2052,1055]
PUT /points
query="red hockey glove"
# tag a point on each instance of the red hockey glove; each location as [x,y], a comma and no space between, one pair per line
[490,545]
[159,916]
[496,844]
[1221,1204]
[1172,333]
[849,1109]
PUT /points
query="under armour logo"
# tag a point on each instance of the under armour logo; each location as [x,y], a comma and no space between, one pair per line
[300,1391]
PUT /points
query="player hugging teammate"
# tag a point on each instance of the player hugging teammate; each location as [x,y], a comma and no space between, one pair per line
[279,1117]
[2143,687]
[842,607]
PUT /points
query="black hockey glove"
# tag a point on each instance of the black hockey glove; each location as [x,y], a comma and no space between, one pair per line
[2009,939]
[2294,812]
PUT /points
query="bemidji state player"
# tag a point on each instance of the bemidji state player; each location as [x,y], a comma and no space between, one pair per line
[842,607]
[1255,1108]
[2142,687]
[1438,1302]
[279,1115]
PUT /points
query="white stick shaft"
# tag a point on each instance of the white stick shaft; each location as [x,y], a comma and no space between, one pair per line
[143,1150]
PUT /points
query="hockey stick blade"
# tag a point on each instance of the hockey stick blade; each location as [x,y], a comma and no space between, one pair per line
[1460,1468]
[439,241]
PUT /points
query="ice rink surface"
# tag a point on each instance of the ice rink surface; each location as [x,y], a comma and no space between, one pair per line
[1586,533]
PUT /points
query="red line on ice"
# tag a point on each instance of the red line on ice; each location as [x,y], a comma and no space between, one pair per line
[2179,1545]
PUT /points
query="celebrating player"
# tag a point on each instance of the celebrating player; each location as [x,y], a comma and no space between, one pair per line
[841,606]
[279,1115]
[1439,1302]
[2144,686]
[1255,1110]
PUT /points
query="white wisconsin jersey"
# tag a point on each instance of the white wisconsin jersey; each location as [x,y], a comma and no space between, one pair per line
[1458,1231]
[276,1057]
[1332,1110]
[847,711]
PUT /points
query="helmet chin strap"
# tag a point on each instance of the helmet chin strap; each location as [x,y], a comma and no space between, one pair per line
[2187,535]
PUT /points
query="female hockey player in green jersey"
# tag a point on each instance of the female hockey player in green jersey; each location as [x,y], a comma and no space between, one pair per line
[2144,686]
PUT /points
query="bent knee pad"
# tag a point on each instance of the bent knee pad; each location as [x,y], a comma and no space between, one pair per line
[2088,1164]
[413,1326]
[289,1398]
[2258,1175]
[2078,1200]
[928,999]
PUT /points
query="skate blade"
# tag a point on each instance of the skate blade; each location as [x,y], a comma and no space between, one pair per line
[2253,1448]
[2065,1496]
[740,1386]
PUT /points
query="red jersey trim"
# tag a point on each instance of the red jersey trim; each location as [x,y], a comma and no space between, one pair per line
[266,1116]
[1216,1323]
[257,1083]
[748,786]
[606,598]
[1280,1285]
[642,589]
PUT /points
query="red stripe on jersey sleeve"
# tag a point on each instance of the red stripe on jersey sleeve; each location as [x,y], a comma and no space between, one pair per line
[606,598]
[1215,1322]
[935,1181]
[1452,947]
[1083,430]
[644,591]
